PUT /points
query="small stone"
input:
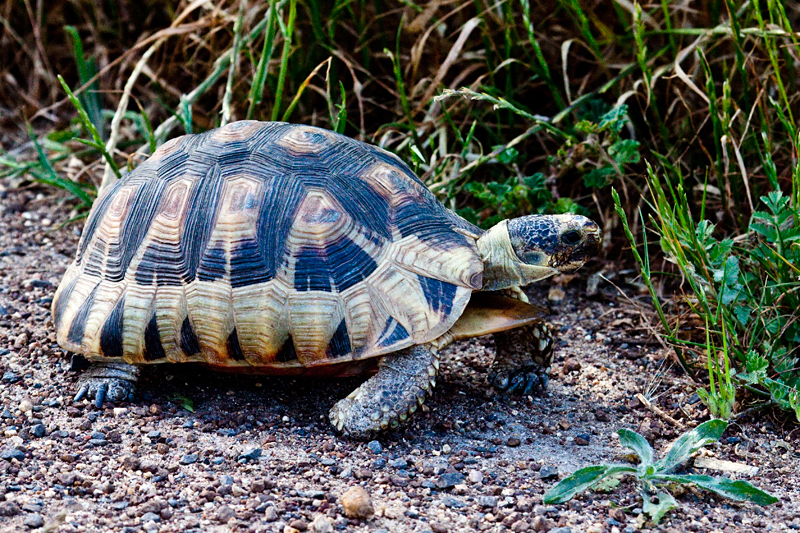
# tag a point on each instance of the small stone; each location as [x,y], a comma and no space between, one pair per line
[475,476]
[541,523]
[438,527]
[12,453]
[357,502]
[564,424]
[130,462]
[66,478]
[582,439]
[34,520]
[453,503]
[299,525]
[150,516]
[398,463]
[513,442]
[9,509]
[601,416]
[548,472]
[322,524]
[270,514]
[189,458]
[38,431]
[446,449]
[10,377]
[487,501]
[524,505]
[561,530]
[375,447]
[250,455]
[519,526]
[25,406]
[399,481]
[225,513]
[449,480]
[155,409]
[257,486]
[571,365]
[119,412]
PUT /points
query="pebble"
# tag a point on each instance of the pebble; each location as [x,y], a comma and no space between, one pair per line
[475,476]
[438,527]
[453,503]
[571,365]
[513,442]
[449,480]
[446,449]
[548,472]
[398,463]
[298,525]
[10,377]
[189,458]
[225,513]
[34,520]
[9,509]
[357,502]
[38,431]
[25,406]
[147,517]
[250,455]
[270,514]
[487,501]
[322,524]
[12,453]
[561,530]
[375,447]
[582,439]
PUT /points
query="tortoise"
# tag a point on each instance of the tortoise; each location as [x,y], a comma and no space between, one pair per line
[281,249]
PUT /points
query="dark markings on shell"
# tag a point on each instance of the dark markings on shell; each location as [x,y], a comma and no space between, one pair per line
[282,196]
[440,294]
[78,325]
[340,342]
[425,218]
[364,205]
[234,349]
[135,227]
[287,352]
[189,343]
[337,266]
[162,262]
[200,220]
[94,263]
[213,263]
[111,334]
[247,264]
[153,349]
[60,305]
[393,332]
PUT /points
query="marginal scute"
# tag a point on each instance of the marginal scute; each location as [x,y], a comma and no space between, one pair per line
[265,245]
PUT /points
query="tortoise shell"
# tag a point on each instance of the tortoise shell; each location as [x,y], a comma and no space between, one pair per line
[265,245]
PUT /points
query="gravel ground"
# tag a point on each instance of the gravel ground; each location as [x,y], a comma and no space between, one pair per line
[258,454]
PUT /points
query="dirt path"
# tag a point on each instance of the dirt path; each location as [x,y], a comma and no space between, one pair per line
[258,453]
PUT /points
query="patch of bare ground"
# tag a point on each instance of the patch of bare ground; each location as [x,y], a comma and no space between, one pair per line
[258,453]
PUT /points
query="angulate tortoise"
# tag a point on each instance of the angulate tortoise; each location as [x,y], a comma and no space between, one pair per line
[283,249]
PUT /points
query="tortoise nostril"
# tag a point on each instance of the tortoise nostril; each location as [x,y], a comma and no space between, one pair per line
[571,238]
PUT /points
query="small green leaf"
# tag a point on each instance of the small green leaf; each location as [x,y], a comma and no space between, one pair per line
[637,443]
[625,151]
[690,442]
[657,510]
[739,490]
[583,479]
[508,155]
[571,485]
[598,177]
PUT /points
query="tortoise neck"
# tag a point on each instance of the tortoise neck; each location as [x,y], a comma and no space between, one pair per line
[502,268]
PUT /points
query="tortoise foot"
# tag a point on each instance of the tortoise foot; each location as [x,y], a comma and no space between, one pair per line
[523,360]
[387,399]
[114,382]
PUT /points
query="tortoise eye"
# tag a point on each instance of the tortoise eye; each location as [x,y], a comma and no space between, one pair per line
[571,238]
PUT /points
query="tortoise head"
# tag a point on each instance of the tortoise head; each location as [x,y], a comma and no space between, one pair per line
[526,249]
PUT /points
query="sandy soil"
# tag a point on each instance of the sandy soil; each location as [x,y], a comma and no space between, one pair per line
[258,454]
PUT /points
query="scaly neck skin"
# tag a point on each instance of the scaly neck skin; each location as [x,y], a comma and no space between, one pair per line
[502,268]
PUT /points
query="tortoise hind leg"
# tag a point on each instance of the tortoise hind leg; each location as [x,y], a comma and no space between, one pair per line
[114,382]
[390,396]
[522,362]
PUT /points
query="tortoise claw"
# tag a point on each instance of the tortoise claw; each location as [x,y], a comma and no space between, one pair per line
[107,381]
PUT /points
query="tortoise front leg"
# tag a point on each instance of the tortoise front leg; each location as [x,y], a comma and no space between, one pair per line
[522,362]
[390,396]
[114,382]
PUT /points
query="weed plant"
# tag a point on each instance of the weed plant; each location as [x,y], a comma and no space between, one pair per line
[503,108]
